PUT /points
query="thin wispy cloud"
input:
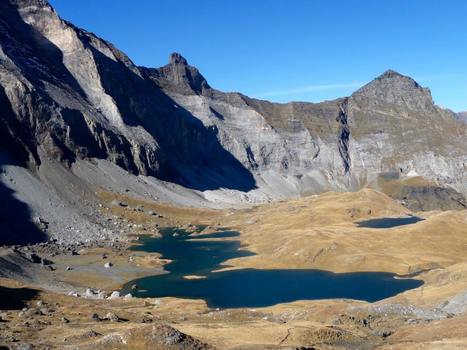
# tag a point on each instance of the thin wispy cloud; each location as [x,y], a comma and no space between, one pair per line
[339,86]
[308,88]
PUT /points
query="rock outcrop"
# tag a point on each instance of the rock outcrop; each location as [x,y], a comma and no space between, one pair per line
[390,124]
[73,95]
[178,76]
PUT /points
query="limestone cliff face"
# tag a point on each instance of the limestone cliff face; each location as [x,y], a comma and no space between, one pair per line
[396,126]
[390,124]
[73,95]
[68,94]
[55,95]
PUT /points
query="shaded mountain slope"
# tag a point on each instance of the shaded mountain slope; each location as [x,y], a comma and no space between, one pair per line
[76,96]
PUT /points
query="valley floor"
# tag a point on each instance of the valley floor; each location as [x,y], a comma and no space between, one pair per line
[316,232]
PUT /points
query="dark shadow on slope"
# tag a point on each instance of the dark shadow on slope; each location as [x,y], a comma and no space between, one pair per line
[16,225]
[202,256]
[190,153]
[41,63]
[40,117]
[15,298]
[14,137]
[389,222]
[85,145]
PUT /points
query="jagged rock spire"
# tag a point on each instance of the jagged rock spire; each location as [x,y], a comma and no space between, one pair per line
[179,76]
[177,59]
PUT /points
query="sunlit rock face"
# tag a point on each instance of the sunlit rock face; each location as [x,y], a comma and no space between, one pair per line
[390,124]
[75,96]
[72,95]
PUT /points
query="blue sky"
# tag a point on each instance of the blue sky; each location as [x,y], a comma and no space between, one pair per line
[295,50]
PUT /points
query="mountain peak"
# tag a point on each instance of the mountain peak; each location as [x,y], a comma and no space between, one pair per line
[177,59]
[396,89]
[396,76]
[179,76]
[390,73]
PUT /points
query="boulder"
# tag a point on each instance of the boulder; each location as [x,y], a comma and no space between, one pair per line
[114,295]
[112,317]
